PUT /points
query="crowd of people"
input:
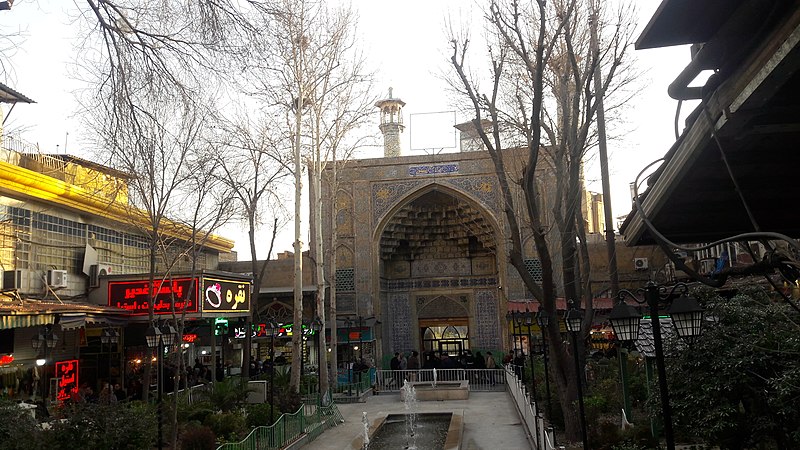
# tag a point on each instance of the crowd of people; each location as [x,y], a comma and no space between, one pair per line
[407,363]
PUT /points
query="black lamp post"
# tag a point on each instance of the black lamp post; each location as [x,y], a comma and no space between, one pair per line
[347,324]
[543,320]
[510,317]
[527,319]
[46,341]
[316,327]
[158,339]
[109,337]
[687,317]
[270,328]
[573,319]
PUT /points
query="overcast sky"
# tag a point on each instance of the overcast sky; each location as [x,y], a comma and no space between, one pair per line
[405,42]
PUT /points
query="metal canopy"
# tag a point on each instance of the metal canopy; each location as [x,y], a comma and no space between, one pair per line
[755,116]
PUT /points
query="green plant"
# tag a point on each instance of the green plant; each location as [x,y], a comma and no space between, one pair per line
[227,395]
[198,437]
[18,429]
[114,427]
[259,414]
[287,400]
[227,425]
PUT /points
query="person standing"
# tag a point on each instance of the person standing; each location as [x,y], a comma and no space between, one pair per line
[395,365]
[413,365]
[491,365]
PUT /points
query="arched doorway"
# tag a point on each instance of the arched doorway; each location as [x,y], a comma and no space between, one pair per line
[440,274]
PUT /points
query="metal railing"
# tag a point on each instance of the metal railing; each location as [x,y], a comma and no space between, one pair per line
[308,422]
[543,436]
[361,382]
[479,379]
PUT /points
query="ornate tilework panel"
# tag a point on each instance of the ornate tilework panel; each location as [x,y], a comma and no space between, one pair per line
[488,333]
[440,267]
[483,265]
[442,306]
[400,317]
[429,283]
[482,188]
[345,280]
[385,195]
[345,303]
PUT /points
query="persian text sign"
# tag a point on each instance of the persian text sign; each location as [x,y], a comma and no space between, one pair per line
[67,374]
[135,296]
[225,295]
[433,169]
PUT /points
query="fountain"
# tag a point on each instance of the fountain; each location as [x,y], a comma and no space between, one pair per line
[410,403]
[365,421]
[438,390]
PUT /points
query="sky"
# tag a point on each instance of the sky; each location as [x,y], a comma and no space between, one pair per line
[404,41]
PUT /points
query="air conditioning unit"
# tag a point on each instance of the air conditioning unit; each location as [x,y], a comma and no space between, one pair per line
[19,279]
[57,278]
[98,270]
[640,263]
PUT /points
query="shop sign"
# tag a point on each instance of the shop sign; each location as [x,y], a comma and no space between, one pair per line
[286,330]
[353,334]
[225,295]
[6,359]
[67,375]
[135,296]
[189,337]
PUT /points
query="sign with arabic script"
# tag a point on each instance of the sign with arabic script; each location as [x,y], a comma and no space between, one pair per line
[225,296]
[135,296]
[67,375]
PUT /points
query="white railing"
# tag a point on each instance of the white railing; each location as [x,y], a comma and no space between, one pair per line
[543,437]
[479,379]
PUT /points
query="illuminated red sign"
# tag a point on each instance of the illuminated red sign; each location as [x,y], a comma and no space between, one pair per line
[135,296]
[189,337]
[6,359]
[67,374]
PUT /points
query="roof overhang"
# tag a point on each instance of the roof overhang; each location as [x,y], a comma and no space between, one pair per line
[749,127]
[8,95]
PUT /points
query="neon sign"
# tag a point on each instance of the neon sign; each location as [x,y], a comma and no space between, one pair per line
[225,295]
[189,337]
[67,374]
[6,359]
[135,296]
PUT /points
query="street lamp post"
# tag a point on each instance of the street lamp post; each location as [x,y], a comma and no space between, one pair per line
[543,320]
[527,318]
[316,327]
[158,339]
[347,324]
[270,328]
[687,318]
[47,342]
[573,319]
[109,337]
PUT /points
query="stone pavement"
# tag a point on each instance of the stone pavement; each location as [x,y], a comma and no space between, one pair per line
[491,421]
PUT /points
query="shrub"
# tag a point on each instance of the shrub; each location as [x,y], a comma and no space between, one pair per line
[18,429]
[229,425]
[198,437]
[260,415]
[287,400]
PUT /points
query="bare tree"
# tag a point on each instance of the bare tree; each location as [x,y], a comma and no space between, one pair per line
[541,99]
[312,73]
[254,170]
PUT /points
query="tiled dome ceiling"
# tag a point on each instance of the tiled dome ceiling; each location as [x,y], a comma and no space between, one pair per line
[435,226]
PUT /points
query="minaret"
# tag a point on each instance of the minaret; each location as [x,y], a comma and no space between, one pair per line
[391,124]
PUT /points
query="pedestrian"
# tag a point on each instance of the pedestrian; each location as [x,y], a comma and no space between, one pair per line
[491,365]
[413,365]
[395,365]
